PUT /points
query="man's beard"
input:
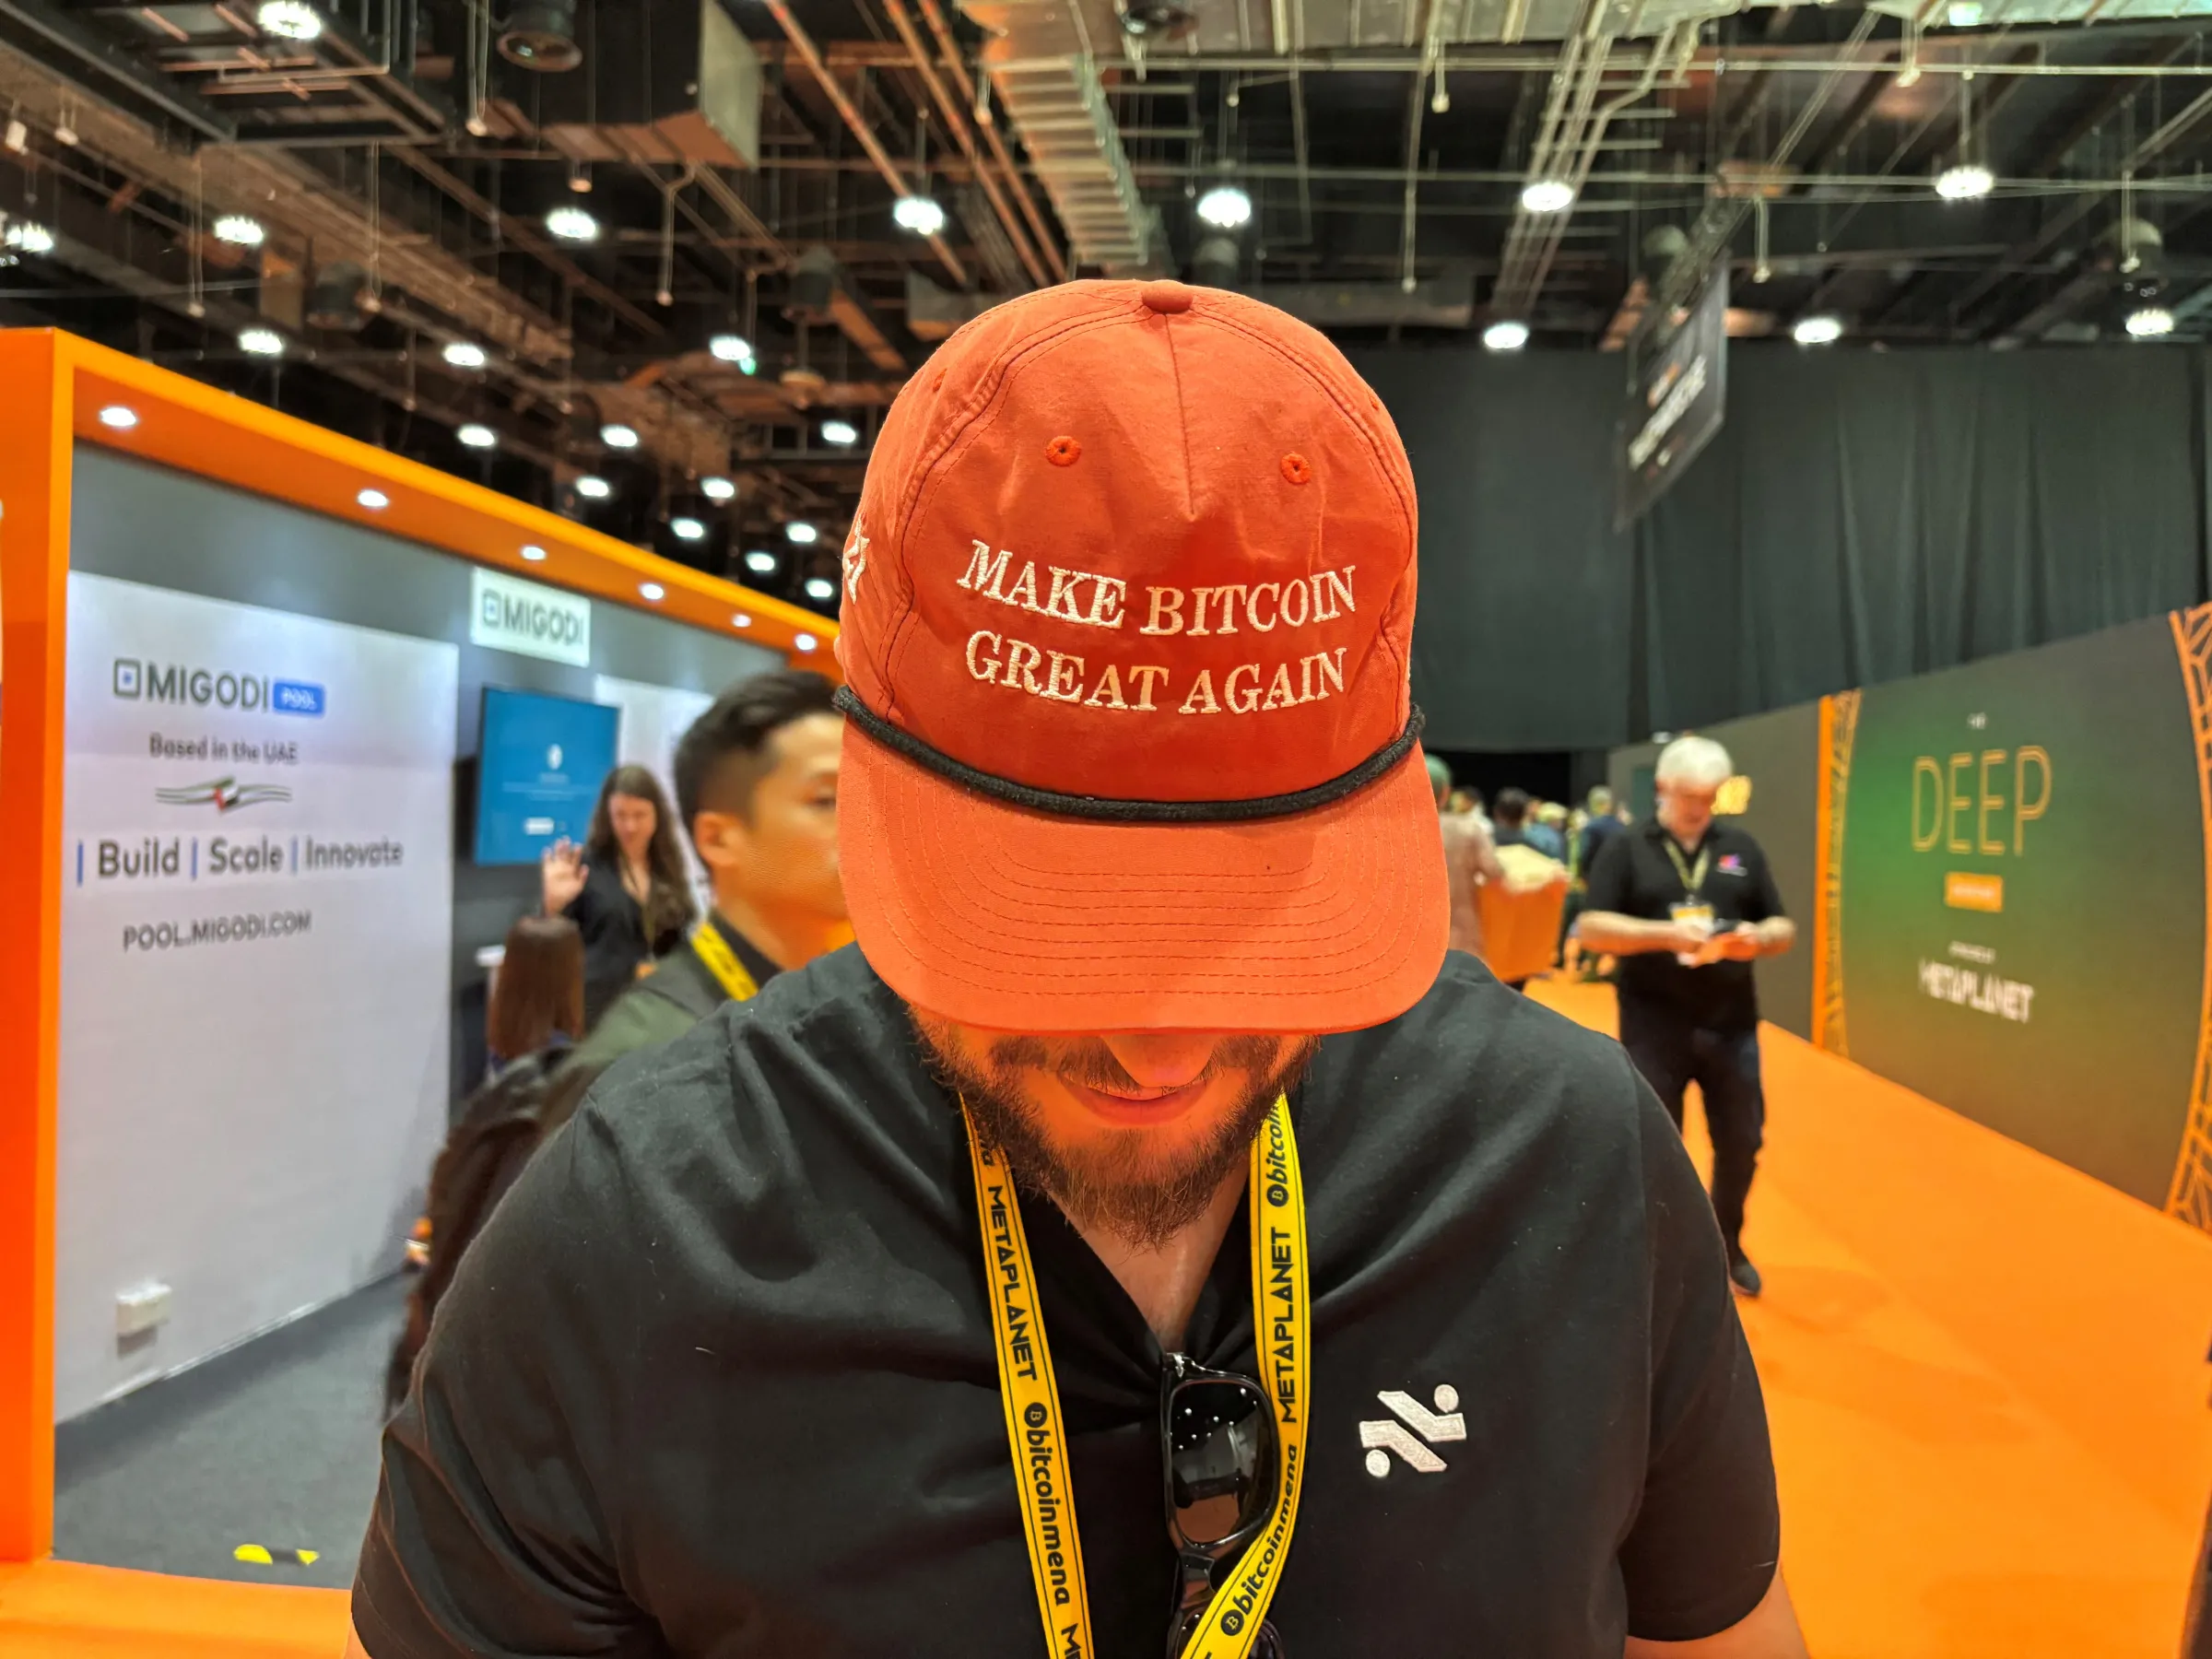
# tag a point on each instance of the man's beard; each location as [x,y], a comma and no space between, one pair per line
[1120,1185]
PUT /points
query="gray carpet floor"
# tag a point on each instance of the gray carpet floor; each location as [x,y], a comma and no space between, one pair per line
[273,1443]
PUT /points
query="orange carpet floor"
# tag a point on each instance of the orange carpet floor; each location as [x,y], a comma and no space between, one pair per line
[1986,1374]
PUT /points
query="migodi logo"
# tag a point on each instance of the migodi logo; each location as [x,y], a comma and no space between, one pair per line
[1384,1436]
[529,619]
[142,680]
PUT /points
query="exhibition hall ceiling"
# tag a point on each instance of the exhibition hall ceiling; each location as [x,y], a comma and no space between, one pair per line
[663,263]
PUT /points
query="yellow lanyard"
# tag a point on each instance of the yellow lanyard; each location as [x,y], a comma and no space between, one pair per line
[721,961]
[1693,876]
[1282,1317]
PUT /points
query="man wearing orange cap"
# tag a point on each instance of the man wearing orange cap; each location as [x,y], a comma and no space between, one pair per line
[1147,1241]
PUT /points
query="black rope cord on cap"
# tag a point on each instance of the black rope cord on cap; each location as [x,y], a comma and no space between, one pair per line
[1108,810]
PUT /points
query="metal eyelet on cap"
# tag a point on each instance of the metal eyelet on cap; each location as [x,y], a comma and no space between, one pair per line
[1297,468]
[1062,452]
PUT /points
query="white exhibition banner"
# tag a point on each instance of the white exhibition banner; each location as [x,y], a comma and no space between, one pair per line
[256,942]
[529,619]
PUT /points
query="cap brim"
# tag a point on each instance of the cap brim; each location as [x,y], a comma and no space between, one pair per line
[995,916]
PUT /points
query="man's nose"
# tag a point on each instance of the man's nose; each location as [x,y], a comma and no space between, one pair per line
[1164,1059]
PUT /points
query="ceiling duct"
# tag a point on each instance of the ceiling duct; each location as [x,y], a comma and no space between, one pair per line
[664,81]
[1444,301]
[1044,60]
[933,313]
[541,35]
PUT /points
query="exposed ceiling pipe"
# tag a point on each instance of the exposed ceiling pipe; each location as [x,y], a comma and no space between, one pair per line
[955,121]
[1048,247]
[803,43]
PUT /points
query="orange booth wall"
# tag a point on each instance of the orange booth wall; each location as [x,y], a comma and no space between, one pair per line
[52,389]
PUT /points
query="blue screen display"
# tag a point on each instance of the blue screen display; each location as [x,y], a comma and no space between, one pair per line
[539,768]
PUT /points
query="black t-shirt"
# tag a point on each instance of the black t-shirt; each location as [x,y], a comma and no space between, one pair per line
[1634,876]
[718,1378]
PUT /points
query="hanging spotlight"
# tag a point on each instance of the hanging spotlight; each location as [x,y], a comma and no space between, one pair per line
[800,533]
[1965,181]
[842,433]
[717,489]
[1823,330]
[2150,322]
[260,342]
[688,529]
[478,436]
[820,587]
[918,214]
[1225,206]
[615,435]
[593,488]
[240,230]
[731,347]
[1549,196]
[1508,334]
[465,354]
[289,20]
[27,236]
[541,35]
[572,224]
[761,562]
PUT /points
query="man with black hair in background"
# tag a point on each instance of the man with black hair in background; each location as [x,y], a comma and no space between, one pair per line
[756,789]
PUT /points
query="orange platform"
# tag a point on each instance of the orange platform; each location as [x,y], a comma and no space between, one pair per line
[1985,1372]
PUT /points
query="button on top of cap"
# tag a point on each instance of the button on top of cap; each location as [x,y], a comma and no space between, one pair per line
[1165,296]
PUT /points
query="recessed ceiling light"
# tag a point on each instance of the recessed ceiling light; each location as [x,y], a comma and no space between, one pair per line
[533,553]
[240,230]
[731,347]
[572,224]
[1965,182]
[478,436]
[804,643]
[842,433]
[593,488]
[288,20]
[376,500]
[919,215]
[653,591]
[1823,330]
[615,435]
[465,354]
[118,416]
[820,587]
[801,533]
[761,562]
[1549,196]
[1508,334]
[260,342]
[741,621]
[688,529]
[27,236]
[1225,206]
[2148,322]
[717,489]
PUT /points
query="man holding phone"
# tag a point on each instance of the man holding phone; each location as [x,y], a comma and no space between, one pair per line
[1688,905]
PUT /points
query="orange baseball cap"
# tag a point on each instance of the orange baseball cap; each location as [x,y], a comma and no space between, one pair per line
[1127,614]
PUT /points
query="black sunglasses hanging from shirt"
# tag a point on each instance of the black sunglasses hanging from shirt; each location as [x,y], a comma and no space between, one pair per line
[1218,1448]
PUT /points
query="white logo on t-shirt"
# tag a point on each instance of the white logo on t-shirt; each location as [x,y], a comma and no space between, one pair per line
[1382,1436]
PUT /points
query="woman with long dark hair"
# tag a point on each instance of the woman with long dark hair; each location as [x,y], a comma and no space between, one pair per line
[626,887]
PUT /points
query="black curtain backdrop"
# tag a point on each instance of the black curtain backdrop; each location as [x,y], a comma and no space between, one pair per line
[1862,516]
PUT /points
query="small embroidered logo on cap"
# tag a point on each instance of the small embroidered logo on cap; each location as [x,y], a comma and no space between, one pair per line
[1062,452]
[1296,469]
